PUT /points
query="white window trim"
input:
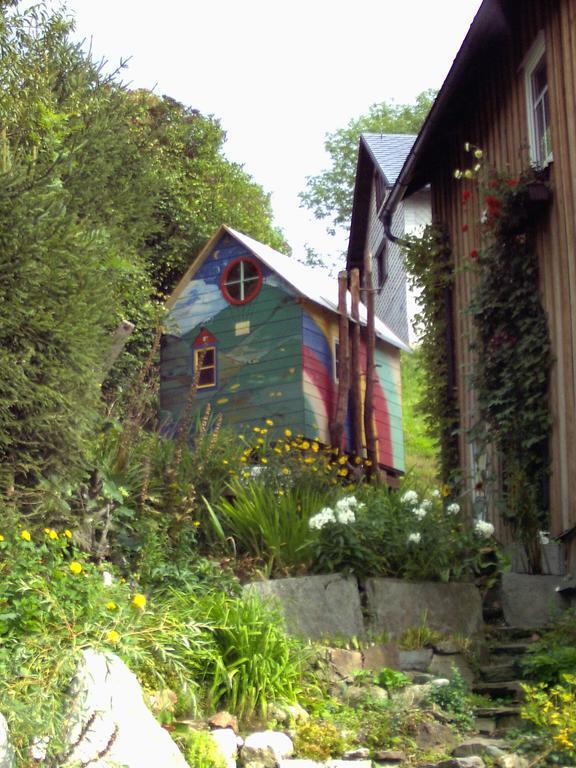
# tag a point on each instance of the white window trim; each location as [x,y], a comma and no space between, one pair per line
[335,346]
[531,60]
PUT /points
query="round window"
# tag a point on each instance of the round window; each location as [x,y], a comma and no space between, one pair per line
[241,281]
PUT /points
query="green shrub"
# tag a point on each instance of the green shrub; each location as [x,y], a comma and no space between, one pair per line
[200,750]
[554,654]
[454,699]
[318,740]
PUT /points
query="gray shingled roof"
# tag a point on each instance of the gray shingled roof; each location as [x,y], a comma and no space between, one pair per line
[389,151]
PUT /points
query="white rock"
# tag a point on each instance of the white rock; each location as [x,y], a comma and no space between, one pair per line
[266,747]
[512,761]
[109,716]
[226,743]
[107,578]
[6,751]
[439,682]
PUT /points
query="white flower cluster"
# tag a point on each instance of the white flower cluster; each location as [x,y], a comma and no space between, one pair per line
[322,518]
[414,538]
[453,509]
[436,493]
[483,528]
[421,512]
[344,513]
[410,497]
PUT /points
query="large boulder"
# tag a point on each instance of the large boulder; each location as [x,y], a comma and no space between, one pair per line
[111,724]
[6,751]
[265,749]
[316,607]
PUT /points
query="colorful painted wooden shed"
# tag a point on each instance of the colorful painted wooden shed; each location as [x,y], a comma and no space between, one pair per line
[260,332]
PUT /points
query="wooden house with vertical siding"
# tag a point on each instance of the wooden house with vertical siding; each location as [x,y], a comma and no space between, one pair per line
[260,333]
[512,92]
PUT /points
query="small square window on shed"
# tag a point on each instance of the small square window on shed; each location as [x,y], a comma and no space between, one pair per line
[205,366]
[538,103]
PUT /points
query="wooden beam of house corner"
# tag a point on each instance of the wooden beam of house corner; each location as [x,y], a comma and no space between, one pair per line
[356,372]
[337,436]
[371,450]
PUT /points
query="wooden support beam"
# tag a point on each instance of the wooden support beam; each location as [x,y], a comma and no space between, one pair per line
[337,431]
[369,431]
[356,370]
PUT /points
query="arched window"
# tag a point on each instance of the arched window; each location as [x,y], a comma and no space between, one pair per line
[241,280]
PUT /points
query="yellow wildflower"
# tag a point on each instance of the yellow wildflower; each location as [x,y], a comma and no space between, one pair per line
[224,461]
[75,567]
[315,447]
[260,441]
[277,450]
[53,535]
[264,460]
[288,432]
[287,448]
[368,463]
[357,460]
[241,437]
[285,471]
[243,458]
[46,531]
[263,431]
[68,533]
[308,460]
[1,537]
[111,605]
[196,523]
[305,445]
[342,460]
[113,636]
[139,601]
[256,429]
[270,422]
[343,472]
[25,535]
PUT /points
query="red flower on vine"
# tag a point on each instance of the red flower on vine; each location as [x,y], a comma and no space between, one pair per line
[474,254]
[512,183]
[466,195]
[464,227]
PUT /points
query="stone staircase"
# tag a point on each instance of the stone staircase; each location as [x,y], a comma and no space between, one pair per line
[499,679]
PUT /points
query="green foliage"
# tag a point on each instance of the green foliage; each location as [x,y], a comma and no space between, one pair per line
[270,526]
[202,643]
[513,352]
[257,661]
[421,636]
[329,195]
[201,751]
[318,740]
[552,656]
[392,679]
[429,264]
[454,699]
[422,449]
[551,713]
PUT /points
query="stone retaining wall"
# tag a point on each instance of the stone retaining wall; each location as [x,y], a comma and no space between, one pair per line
[332,606]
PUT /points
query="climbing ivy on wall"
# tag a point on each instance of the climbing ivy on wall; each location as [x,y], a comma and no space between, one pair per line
[512,344]
[430,269]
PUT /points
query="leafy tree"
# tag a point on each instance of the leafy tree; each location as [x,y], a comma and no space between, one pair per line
[329,195]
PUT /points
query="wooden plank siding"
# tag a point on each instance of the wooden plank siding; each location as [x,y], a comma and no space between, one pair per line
[258,372]
[496,120]
[319,332]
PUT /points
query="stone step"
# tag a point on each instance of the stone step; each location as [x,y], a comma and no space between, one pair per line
[499,672]
[509,634]
[509,689]
[513,648]
[493,721]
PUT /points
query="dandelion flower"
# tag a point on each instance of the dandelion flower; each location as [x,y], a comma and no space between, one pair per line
[342,460]
[196,523]
[139,601]
[315,447]
[75,567]
[270,422]
[305,445]
[68,533]
[288,432]
[342,472]
[111,605]
[1,537]
[25,535]
[113,636]
[285,471]
[52,535]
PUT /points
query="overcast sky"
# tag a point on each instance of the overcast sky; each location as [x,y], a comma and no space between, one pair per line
[280,75]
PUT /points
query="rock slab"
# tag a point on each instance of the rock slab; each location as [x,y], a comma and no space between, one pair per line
[111,724]
[395,605]
[6,752]
[529,601]
[316,607]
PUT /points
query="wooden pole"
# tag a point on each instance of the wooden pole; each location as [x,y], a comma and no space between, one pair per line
[337,436]
[356,369]
[371,450]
